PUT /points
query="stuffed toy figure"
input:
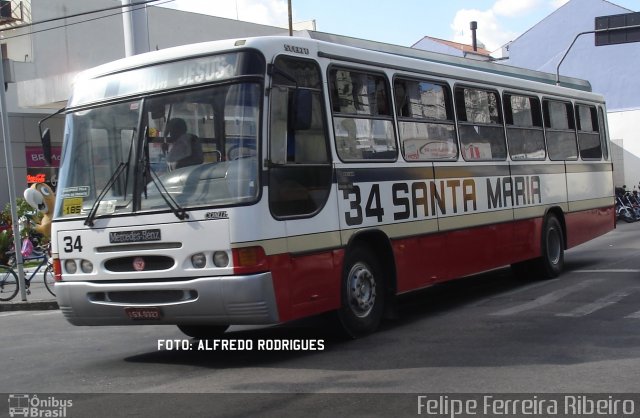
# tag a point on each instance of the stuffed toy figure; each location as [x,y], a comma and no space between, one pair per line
[42,198]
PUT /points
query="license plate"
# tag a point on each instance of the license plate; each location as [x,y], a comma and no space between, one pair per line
[144,314]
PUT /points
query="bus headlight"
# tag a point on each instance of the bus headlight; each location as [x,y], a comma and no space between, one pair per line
[86,266]
[198,260]
[70,266]
[221,259]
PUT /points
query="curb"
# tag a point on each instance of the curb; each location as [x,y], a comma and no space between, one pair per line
[36,305]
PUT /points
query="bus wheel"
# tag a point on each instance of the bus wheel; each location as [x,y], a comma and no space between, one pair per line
[362,294]
[551,263]
[203,331]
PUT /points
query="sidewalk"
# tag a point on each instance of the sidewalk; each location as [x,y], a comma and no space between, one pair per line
[40,299]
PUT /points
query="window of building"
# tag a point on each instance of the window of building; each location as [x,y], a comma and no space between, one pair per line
[362,119]
[560,130]
[425,120]
[480,124]
[525,134]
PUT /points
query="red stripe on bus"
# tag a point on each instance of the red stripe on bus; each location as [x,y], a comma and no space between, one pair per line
[310,284]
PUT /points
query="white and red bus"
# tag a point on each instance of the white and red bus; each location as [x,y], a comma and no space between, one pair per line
[318,177]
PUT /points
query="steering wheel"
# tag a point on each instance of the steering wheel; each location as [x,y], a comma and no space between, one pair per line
[240,151]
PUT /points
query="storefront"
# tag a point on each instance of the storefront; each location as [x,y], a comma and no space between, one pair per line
[38,170]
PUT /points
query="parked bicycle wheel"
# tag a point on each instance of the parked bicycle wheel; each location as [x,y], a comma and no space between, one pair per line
[8,283]
[49,280]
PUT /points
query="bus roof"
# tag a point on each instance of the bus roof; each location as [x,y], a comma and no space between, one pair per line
[486,66]
[326,44]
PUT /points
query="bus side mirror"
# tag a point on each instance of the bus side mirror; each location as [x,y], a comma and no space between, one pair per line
[45,138]
[301,110]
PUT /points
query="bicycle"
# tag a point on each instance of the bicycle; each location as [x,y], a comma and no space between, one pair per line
[9,279]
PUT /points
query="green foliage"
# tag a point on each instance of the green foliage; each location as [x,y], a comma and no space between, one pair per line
[6,240]
[6,236]
[22,207]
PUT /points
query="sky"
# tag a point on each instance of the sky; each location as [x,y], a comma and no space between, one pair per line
[401,22]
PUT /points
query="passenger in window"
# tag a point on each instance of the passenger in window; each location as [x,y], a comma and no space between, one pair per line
[185,148]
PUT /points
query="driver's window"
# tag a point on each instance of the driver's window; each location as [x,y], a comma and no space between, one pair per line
[300,169]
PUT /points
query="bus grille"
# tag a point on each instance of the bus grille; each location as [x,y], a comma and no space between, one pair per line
[151,263]
[144,297]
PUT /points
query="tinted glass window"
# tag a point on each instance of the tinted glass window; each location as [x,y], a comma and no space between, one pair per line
[588,133]
[425,120]
[524,127]
[362,120]
[480,124]
[560,130]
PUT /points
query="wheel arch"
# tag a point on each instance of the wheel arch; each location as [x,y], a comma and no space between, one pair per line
[559,214]
[379,243]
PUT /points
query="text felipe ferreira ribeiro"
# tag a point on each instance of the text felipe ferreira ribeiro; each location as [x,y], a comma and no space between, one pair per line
[592,405]
[241,345]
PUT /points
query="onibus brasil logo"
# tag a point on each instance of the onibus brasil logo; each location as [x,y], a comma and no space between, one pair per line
[24,405]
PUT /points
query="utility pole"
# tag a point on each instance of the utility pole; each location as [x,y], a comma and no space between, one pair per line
[290,18]
[8,153]
[136,28]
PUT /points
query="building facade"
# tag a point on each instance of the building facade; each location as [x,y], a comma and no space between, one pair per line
[611,70]
[48,42]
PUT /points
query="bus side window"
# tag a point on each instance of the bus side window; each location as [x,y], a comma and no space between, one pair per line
[362,117]
[425,120]
[525,135]
[602,125]
[588,133]
[480,124]
[560,130]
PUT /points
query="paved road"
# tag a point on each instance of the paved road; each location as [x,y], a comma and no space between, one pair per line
[488,333]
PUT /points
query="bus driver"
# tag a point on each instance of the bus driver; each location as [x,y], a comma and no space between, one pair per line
[186,149]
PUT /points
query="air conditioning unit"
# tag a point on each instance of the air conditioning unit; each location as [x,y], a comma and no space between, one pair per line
[5,9]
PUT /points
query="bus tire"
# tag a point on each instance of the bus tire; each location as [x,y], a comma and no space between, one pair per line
[203,331]
[551,263]
[362,293]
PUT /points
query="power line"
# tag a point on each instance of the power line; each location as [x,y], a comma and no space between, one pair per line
[106,9]
[130,8]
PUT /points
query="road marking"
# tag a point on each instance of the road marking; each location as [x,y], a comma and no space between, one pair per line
[528,287]
[598,304]
[546,299]
[12,313]
[608,271]
[635,315]
[516,291]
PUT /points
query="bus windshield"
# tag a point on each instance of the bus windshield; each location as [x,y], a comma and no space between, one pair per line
[194,148]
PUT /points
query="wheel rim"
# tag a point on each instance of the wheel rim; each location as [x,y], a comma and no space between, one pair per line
[554,246]
[361,290]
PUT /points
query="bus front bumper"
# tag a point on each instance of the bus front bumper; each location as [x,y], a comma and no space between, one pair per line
[225,300]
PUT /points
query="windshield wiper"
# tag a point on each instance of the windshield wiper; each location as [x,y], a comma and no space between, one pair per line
[121,167]
[94,209]
[177,210]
